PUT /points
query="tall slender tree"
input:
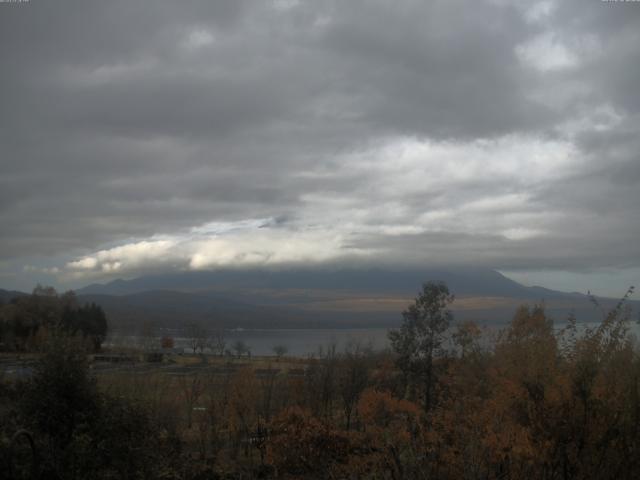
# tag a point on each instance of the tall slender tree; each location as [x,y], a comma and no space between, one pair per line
[419,339]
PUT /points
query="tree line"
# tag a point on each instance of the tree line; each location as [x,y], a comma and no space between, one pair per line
[26,321]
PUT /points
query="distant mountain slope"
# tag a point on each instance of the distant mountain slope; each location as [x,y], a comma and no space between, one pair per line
[7,295]
[316,299]
[178,309]
[305,298]
[482,282]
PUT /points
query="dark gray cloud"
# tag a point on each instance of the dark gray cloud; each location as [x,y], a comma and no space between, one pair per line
[493,133]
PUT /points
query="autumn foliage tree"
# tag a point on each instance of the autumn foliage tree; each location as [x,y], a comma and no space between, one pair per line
[302,446]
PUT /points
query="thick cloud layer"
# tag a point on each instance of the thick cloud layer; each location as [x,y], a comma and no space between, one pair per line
[139,136]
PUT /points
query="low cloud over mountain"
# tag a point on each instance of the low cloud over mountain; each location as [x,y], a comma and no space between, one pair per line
[138,138]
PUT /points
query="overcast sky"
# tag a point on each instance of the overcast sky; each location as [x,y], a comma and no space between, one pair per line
[142,137]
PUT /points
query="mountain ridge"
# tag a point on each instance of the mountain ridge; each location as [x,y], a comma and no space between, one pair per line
[317,299]
[469,281]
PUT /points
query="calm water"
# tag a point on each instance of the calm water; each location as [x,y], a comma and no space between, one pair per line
[303,342]
[299,342]
[306,342]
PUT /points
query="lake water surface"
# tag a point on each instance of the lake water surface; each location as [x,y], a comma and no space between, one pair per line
[298,342]
[304,342]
